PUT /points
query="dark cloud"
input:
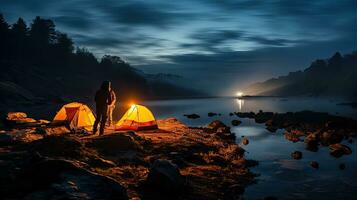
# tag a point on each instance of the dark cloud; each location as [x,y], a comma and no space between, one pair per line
[140,13]
[73,22]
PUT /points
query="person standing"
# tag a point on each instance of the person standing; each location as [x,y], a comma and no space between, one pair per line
[102,101]
[111,107]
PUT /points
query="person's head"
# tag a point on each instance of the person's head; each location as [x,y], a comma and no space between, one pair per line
[105,85]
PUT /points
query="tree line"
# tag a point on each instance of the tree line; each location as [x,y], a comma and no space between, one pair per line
[41,46]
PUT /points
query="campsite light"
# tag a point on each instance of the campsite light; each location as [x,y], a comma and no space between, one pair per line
[239,94]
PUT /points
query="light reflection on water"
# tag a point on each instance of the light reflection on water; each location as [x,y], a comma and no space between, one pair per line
[280,175]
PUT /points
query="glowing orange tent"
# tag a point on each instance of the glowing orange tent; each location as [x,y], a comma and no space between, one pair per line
[137,118]
[77,115]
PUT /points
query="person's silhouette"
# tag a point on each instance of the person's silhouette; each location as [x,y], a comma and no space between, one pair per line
[102,100]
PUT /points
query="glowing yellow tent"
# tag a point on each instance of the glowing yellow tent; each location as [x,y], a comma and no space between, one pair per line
[137,118]
[77,115]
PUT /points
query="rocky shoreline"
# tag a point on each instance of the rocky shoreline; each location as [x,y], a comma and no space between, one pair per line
[41,161]
[315,129]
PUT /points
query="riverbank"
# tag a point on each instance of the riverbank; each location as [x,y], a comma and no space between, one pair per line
[175,162]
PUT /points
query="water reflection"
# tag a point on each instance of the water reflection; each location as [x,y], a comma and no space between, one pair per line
[240,103]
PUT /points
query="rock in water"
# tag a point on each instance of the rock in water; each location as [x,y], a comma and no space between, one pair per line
[338,150]
[330,137]
[192,116]
[236,122]
[245,141]
[216,124]
[312,141]
[164,176]
[314,164]
[211,114]
[342,166]
[297,155]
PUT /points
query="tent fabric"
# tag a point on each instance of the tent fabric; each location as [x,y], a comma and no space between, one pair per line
[136,118]
[77,115]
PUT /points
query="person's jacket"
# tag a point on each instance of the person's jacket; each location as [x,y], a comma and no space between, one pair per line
[103,98]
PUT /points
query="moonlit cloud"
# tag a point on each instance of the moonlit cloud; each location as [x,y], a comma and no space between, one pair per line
[223,43]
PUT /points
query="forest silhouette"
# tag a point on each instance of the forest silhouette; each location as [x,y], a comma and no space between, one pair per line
[40,61]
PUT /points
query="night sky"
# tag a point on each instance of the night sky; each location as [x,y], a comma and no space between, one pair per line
[216,45]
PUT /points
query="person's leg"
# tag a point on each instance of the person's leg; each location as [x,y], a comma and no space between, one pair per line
[96,122]
[110,115]
[102,123]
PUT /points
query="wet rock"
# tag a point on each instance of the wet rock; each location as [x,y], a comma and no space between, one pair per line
[330,137]
[224,129]
[211,114]
[263,117]
[292,137]
[192,116]
[236,122]
[225,133]
[245,141]
[312,141]
[231,114]
[314,164]
[250,115]
[338,150]
[216,124]
[297,155]
[272,129]
[164,176]
[342,166]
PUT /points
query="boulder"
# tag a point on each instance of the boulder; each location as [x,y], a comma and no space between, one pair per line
[245,141]
[314,164]
[250,115]
[211,114]
[291,137]
[216,124]
[263,117]
[338,150]
[297,155]
[236,122]
[330,137]
[15,115]
[164,176]
[342,166]
[192,116]
[272,129]
[312,141]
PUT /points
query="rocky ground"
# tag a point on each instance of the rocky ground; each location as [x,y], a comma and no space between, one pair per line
[42,161]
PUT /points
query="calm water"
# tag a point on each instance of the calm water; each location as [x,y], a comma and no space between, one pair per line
[280,176]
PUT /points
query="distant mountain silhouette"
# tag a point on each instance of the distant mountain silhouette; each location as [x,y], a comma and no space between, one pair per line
[336,76]
[41,63]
